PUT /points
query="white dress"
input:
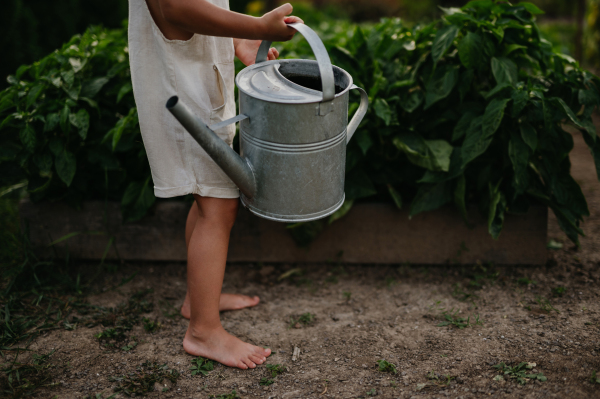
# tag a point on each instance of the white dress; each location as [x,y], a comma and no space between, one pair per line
[201,72]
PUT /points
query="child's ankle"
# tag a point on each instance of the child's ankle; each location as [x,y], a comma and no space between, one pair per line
[201,332]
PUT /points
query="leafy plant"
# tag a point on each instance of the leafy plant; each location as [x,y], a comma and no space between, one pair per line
[545,304]
[468,110]
[594,379]
[386,366]
[232,395]
[69,126]
[23,378]
[559,291]
[143,379]
[305,319]
[151,325]
[456,321]
[519,372]
[202,366]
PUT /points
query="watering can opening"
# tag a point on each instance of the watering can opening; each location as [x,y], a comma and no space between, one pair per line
[307,74]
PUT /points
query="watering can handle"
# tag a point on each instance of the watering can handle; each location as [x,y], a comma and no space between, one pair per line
[359,114]
[320,52]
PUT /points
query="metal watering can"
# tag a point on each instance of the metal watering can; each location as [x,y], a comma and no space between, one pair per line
[293,134]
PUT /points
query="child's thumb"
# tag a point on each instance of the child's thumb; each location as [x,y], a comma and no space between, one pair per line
[284,10]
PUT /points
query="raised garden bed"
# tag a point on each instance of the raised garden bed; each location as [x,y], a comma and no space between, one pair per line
[369,233]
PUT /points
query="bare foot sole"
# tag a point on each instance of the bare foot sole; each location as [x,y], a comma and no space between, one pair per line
[226,349]
[226,302]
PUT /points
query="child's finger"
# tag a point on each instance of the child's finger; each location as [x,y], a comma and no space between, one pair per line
[293,20]
[273,54]
[284,9]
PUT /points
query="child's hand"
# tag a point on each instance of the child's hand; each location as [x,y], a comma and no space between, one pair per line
[274,24]
[246,50]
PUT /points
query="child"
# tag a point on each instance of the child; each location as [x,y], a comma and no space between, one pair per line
[185,48]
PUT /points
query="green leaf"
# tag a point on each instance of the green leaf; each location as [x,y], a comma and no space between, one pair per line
[459,197]
[64,117]
[56,146]
[43,161]
[137,199]
[463,124]
[529,135]
[358,185]
[81,120]
[512,47]
[464,84]
[396,197]
[340,213]
[91,87]
[469,50]
[496,210]
[363,140]
[28,138]
[594,146]
[68,77]
[382,110]
[520,99]
[430,197]
[532,8]
[433,155]
[413,101]
[492,117]
[440,85]
[505,71]
[519,153]
[33,94]
[442,42]
[66,166]
[52,121]
[124,90]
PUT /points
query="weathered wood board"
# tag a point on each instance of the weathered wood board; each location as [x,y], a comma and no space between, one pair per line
[369,233]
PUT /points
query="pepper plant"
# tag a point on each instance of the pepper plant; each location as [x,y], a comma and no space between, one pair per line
[468,110]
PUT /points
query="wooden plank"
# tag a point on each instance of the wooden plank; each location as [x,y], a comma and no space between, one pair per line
[370,233]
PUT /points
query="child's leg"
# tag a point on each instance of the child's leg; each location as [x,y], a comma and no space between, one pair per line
[207,254]
[227,301]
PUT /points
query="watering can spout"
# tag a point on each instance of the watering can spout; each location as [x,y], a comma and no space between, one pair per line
[237,168]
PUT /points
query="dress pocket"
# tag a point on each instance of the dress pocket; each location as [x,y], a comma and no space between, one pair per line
[219,114]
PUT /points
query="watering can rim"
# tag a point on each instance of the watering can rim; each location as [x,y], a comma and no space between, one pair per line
[276,63]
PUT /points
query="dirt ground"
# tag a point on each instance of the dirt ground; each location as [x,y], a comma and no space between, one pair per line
[364,314]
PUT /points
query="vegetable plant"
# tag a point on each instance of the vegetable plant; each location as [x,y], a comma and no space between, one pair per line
[469,110]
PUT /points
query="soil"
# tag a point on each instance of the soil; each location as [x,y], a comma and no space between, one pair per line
[367,313]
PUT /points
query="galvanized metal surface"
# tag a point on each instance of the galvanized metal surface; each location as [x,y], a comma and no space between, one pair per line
[292,143]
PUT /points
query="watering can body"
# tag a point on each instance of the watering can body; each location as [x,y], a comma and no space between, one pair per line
[293,134]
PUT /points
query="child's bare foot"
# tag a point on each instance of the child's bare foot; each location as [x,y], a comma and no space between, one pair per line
[226,302]
[223,347]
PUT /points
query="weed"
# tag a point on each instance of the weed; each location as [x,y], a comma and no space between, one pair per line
[435,307]
[275,369]
[594,379]
[168,310]
[459,293]
[526,281]
[132,344]
[266,381]
[460,322]
[99,396]
[347,295]
[519,372]
[331,279]
[386,367]
[432,376]
[304,319]
[151,326]
[372,392]
[232,395]
[545,304]
[23,378]
[558,291]
[202,366]
[389,281]
[143,379]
